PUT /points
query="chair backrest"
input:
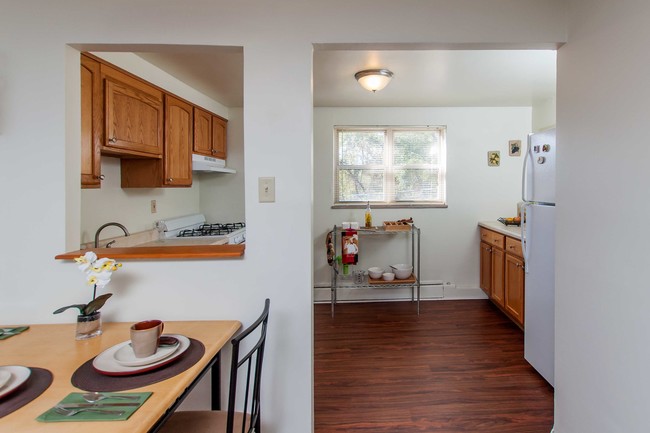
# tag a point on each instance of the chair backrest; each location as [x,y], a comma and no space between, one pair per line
[252,361]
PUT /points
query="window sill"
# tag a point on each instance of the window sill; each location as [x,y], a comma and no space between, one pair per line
[390,206]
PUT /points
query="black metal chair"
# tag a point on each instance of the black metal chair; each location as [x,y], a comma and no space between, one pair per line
[231,421]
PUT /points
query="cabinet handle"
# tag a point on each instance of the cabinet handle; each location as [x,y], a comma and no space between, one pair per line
[100,177]
[213,151]
[112,140]
[170,180]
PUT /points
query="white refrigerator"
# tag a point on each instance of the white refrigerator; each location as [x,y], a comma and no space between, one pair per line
[538,243]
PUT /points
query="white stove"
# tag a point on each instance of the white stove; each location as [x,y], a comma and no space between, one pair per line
[195,227]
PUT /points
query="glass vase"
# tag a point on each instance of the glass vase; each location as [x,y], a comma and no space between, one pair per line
[89,326]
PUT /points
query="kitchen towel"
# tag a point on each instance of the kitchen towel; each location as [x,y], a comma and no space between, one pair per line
[330,249]
[350,246]
[76,397]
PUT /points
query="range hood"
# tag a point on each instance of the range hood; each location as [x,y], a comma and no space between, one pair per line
[209,164]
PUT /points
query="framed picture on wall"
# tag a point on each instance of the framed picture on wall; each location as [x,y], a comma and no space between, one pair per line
[514,147]
[494,158]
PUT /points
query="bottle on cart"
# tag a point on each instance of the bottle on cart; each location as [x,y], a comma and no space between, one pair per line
[368,216]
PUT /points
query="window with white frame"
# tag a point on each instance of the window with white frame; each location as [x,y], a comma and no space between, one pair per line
[391,166]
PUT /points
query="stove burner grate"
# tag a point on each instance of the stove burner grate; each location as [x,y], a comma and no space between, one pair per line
[218,229]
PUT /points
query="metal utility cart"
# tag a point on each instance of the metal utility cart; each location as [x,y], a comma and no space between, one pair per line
[413,281]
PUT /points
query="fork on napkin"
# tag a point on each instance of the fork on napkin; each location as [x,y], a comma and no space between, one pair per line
[100,411]
[10,332]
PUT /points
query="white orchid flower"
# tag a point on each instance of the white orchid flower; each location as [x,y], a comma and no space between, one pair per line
[86,261]
[102,280]
[98,274]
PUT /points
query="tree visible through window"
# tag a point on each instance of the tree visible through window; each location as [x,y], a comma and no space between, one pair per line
[390,165]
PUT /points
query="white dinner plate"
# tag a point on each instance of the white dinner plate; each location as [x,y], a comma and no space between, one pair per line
[106,363]
[17,376]
[126,356]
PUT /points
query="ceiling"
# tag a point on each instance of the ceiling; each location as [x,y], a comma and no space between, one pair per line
[422,78]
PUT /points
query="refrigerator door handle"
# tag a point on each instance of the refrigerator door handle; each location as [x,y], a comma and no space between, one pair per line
[524,240]
[524,174]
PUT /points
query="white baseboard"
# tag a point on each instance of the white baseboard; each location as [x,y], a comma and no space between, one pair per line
[433,290]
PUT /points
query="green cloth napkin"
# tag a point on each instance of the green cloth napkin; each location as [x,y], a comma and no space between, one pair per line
[76,397]
[10,332]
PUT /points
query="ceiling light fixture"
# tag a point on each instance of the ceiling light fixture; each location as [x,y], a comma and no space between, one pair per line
[374,79]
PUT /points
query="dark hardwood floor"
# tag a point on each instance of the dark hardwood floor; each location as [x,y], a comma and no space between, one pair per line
[458,367]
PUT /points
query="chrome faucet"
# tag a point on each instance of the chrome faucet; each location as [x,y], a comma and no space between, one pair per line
[126,232]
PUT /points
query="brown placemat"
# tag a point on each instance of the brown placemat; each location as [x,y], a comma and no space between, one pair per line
[89,379]
[39,380]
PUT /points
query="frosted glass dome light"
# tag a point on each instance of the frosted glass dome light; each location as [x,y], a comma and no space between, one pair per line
[374,79]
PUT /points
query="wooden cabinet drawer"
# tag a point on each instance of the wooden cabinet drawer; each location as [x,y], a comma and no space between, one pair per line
[492,238]
[513,246]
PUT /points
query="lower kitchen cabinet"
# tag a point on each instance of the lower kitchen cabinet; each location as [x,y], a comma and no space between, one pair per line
[486,268]
[498,290]
[502,273]
[514,300]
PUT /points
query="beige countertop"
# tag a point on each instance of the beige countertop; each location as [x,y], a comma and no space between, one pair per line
[174,242]
[512,231]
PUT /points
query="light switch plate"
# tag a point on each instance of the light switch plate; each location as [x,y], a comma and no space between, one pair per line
[266,189]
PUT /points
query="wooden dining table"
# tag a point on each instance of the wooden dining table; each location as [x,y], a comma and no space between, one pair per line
[53,347]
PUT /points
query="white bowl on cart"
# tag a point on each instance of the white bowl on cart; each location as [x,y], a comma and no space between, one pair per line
[375,272]
[402,271]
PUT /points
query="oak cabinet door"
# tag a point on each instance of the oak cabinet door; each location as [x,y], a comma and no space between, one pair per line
[92,115]
[514,299]
[178,142]
[486,268]
[219,134]
[134,116]
[202,132]
[497,293]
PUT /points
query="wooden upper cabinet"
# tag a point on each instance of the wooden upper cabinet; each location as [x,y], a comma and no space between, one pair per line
[210,132]
[175,168]
[133,116]
[219,134]
[92,128]
[178,142]
[202,132]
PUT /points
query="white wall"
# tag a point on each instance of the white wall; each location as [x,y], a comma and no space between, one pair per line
[475,191]
[39,142]
[131,206]
[544,114]
[602,272]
